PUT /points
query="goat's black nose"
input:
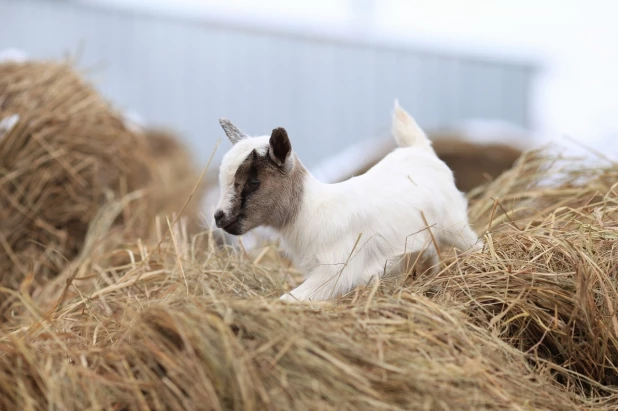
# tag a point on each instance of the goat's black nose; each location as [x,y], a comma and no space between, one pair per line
[219,215]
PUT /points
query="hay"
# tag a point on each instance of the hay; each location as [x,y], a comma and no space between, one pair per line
[68,154]
[529,323]
[548,282]
[474,164]
[56,164]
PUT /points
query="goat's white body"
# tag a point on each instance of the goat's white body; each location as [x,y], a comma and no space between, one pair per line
[346,234]
[387,207]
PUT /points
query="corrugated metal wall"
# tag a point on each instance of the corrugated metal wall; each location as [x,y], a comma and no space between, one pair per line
[328,94]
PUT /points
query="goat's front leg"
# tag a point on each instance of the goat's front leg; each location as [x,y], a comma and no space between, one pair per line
[324,282]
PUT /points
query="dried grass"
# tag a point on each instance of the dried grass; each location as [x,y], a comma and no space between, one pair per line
[529,323]
[172,321]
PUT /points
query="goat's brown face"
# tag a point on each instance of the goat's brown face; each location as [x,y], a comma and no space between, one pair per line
[261,182]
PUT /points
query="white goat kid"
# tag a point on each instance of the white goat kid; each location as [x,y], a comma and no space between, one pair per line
[346,234]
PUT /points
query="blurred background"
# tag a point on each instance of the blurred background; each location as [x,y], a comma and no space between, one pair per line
[328,70]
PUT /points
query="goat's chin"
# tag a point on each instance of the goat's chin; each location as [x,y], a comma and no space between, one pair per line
[235,228]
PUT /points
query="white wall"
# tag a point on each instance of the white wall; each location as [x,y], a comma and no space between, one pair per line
[184,64]
[576,40]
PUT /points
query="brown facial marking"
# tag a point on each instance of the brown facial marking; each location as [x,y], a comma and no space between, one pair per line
[276,198]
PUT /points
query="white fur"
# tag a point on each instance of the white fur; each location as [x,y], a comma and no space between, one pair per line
[406,132]
[347,234]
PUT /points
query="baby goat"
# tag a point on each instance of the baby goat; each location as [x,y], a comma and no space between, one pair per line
[345,234]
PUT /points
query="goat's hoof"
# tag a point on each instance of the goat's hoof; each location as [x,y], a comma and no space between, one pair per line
[290,298]
[287,297]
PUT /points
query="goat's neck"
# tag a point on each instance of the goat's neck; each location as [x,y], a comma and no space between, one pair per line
[313,217]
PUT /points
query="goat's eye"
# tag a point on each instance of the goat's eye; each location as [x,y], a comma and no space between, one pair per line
[253,183]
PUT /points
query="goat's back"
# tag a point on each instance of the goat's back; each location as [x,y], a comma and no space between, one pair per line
[408,187]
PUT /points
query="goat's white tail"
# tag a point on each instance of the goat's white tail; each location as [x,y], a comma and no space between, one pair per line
[405,130]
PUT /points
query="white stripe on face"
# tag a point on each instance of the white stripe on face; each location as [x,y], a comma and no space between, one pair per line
[229,166]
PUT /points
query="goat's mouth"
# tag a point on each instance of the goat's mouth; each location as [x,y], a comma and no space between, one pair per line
[234,227]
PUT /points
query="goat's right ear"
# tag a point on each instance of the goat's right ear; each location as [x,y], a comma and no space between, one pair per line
[231,131]
[280,146]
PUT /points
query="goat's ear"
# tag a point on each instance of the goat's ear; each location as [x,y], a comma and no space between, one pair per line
[280,146]
[231,131]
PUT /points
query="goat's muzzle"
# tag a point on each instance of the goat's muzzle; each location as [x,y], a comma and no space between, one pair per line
[230,225]
[220,218]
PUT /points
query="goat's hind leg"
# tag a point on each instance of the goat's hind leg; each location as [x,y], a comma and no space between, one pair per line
[428,262]
[465,242]
[423,261]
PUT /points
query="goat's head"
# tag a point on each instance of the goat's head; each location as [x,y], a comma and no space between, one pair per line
[261,181]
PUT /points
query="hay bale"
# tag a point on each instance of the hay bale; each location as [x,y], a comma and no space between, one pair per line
[68,154]
[252,355]
[528,323]
[475,164]
[548,283]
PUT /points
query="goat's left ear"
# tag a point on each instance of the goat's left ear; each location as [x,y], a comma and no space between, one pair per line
[280,146]
[231,131]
